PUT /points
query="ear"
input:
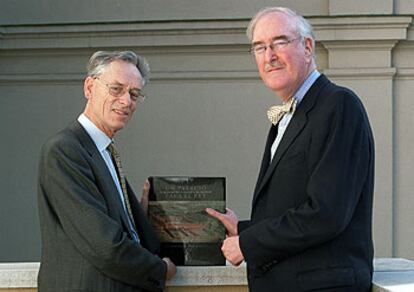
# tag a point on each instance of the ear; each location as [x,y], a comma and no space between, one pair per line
[88,87]
[309,49]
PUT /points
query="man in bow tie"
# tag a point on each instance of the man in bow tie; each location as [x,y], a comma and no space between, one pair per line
[95,233]
[310,225]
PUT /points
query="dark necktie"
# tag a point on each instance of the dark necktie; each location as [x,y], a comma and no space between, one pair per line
[117,159]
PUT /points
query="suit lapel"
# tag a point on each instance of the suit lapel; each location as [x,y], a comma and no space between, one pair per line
[105,175]
[147,235]
[296,125]
[266,156]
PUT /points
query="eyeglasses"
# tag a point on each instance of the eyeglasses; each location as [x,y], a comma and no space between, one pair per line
[275,46]
[118,90]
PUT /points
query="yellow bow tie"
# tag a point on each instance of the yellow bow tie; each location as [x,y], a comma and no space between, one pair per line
[276,112]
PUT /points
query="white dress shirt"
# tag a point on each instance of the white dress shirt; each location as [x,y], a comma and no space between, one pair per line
[102,141]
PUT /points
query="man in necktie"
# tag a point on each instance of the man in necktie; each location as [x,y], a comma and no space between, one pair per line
[95,233]
[310,224]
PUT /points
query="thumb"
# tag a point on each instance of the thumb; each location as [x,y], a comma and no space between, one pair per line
[145,195]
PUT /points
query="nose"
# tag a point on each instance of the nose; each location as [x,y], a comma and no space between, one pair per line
[125,99]
[270,54]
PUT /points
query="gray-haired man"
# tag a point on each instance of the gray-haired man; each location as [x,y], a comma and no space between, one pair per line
[310,227]
[95,234]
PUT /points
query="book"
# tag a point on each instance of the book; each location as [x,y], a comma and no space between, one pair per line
[176,209]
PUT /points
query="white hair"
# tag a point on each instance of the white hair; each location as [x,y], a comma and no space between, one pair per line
[303,27]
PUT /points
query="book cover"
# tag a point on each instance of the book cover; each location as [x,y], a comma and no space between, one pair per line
[176,209]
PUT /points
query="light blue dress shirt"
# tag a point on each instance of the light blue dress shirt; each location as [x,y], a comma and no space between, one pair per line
[284,122]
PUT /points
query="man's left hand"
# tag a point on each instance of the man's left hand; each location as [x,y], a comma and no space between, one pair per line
[231,250]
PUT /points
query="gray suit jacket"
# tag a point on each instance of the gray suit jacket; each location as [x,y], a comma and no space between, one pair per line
[86,241]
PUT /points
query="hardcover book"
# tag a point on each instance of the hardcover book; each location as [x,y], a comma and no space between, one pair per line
[176,209]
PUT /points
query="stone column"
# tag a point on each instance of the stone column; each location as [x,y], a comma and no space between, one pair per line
[360,57]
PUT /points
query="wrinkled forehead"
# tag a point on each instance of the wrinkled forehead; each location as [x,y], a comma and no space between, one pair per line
[275,24]
[123,72]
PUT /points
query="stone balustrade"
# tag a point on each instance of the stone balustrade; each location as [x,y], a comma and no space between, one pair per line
[390,274]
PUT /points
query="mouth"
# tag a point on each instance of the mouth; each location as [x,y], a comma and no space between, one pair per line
[270,68]
[121,112]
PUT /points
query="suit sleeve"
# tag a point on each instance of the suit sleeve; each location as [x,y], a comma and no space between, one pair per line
[336,180]
[68,184]
[242,225]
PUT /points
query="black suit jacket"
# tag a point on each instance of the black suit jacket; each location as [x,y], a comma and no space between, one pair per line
[86,241]
[310,226]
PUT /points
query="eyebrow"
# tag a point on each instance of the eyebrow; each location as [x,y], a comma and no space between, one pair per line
[116,82]
[280,37]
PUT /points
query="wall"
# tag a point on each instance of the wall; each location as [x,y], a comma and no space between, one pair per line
[206,105]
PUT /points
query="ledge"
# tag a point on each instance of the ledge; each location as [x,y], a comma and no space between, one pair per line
[391,274]
[361,27]
[208,32]
[47,78]
[344,73]
[24,275]
[361,73]
[210,276]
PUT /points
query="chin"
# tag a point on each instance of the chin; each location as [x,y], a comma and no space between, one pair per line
[120,122]
[275,83]
[275,87]
[118,126]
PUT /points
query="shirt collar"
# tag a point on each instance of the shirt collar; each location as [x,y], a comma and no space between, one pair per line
[306,85]
[100,139]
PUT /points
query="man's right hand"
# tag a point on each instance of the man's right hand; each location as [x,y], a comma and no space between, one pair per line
[144,197]
[171,268]
[229,220]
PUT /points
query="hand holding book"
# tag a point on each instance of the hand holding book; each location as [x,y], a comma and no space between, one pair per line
[229,220]
[145,196]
